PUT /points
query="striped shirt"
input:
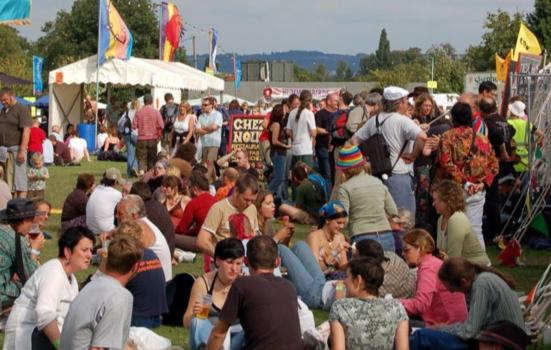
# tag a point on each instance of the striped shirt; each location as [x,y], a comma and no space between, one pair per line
[491,300]
[149,123]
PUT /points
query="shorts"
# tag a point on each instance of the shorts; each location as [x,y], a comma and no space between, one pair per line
[209,154]
[16,173]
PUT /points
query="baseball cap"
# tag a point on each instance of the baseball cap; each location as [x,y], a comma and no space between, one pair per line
[393,93]
[114,174]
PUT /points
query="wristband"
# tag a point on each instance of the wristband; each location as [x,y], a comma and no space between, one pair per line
[35,252]
[55,343]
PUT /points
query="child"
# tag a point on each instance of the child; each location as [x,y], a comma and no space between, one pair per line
[229,177]
[37,176]
[36,137]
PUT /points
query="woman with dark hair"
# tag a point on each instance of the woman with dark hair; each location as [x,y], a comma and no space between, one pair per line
[37,316]
[301,128]
[228,258]
[265,208]
[468,159]
[279,147]
[234,107]
[455,235]
[432,302]
[491,298]
[309,264]
[362,320]
[174,200]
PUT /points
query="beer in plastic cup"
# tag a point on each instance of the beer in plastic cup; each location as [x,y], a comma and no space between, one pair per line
[206,302]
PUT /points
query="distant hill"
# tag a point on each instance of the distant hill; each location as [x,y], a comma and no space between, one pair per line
[305,59]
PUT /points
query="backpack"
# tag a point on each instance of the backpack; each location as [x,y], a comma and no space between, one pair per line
[377,150]
[169,116]
[339,131]
[124,125]
[321,185]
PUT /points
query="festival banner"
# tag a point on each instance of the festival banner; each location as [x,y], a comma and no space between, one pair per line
[237,73]
[244,133]
[284,92]
[115,40]
[38,64]
[16,12]
[526,43]
[502,66]
[171,31]
[213,44]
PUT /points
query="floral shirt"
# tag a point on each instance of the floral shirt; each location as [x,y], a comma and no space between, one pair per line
[456,162]
[368,323]
[36,178]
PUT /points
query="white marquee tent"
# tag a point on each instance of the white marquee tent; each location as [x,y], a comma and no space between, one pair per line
[66,84]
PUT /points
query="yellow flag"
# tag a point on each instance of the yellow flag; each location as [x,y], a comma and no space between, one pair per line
[502,66]
[526,42]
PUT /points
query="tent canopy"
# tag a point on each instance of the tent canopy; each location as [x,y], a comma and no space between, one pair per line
[66,83]
[6,79]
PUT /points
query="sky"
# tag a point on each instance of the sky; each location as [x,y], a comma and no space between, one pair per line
[343,27]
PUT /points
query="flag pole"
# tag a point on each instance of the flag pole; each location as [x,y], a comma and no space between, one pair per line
[160,30]
[234,76]
[97,73]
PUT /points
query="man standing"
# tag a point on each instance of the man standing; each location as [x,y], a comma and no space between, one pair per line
[265,305]
[15,130]
[149,123]
[323,119]
[209,129]
[169,112]
[398,131]
[99,317]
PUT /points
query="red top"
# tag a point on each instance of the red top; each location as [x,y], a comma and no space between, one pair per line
[149,123]
[265,134]
[194,215]
[36,138]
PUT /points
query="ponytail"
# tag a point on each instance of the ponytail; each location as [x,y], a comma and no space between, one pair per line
[305,99]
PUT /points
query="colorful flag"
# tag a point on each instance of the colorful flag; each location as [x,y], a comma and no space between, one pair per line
[115,40]
[15,11]
[171,30]
[236,72]
[502,66]
[38,64]
[213,43]
[526,42]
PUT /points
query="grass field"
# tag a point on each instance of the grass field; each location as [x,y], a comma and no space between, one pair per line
[62,181]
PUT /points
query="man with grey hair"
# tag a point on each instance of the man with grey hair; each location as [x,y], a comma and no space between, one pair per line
[359,115]
[132,208]
[405,140]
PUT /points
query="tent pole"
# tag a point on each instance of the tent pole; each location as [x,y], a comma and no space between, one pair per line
[97,73]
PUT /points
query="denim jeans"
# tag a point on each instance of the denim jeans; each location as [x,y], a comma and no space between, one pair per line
[385,239]
[322,155]
[401,189]
[304,272]
[147,322]
[427,339]
[278,182]
[131,161]
[200,330]
[474,210]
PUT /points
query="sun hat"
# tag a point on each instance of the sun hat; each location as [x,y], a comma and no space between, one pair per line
[333,210]
[506,334]
[517,108]
[350,157]
[393,93]
[113,174]
[18,209]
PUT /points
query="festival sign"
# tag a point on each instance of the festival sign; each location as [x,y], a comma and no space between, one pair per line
[473,80]
[284,92]
[245,131]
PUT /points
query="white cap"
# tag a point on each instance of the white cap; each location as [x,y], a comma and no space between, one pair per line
[393,93]
[517,108]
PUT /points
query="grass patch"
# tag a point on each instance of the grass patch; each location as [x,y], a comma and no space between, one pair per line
[63,180]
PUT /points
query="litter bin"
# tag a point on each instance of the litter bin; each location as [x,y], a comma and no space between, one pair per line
[88,132]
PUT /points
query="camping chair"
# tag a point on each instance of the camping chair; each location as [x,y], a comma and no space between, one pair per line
[538,313]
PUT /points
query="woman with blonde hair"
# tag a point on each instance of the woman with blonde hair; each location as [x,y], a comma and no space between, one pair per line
[366,199]
[184,126]
[432,302]
[455,235]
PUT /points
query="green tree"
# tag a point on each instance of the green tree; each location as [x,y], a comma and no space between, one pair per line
[320,72]
[74,34]
[540,22]
[500,36]
[343,71]
[382,55]
[16,57]
[399,75]
[449,71]
[301,73]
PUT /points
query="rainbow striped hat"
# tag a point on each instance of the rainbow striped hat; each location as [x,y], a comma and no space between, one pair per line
[350,157]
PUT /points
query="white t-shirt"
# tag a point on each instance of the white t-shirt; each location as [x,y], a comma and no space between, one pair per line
[302,141]
[100,209]
[160,248]
[45,297]
[48,151]
[397,129]
[101,140]
[78,146]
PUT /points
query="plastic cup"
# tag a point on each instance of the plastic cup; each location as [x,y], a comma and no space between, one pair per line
[206,302]
[34,231]
[104,248]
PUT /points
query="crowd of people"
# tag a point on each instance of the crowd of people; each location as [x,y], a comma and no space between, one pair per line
[401,201]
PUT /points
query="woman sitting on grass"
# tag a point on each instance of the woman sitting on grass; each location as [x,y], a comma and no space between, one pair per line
[265,208]
[228,257]
[362,320]
[491,298]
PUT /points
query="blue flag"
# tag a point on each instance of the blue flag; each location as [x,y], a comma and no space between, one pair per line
[38,64]
[237,73]
[15,11]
